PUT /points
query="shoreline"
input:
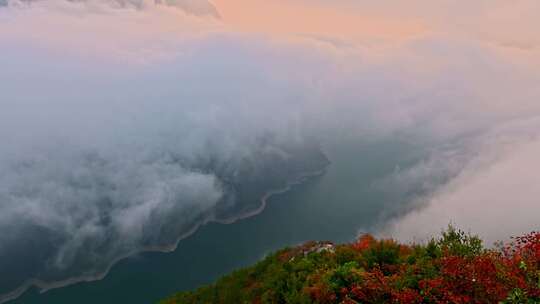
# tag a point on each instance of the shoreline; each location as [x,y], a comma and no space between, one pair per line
[47,286]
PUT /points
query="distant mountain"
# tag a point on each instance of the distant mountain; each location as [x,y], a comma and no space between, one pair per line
[194,7]
[455,268]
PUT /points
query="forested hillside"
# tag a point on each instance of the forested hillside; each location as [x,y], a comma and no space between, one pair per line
[453,268]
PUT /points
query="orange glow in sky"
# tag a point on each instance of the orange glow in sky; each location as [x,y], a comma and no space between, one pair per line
[298,18]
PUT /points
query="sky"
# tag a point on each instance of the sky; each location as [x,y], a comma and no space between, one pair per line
[97,95]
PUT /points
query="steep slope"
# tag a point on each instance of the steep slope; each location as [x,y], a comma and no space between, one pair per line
[454,268]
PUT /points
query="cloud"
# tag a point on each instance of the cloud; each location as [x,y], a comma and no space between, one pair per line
[194,7]
[127,145]
[124,126]
[495,195]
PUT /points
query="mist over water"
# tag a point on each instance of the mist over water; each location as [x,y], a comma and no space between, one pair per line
[333,206]
[104,169]
[127,124]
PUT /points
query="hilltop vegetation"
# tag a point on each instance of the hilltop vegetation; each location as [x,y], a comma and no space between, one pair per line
[454,268]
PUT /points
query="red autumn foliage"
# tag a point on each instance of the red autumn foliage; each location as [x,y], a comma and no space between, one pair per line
[364,242]
[488,276]
[455,268]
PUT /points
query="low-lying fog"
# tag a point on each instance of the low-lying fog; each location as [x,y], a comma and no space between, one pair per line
[123,124]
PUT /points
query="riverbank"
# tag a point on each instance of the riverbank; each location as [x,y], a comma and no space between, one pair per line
[333,206]
[44,287]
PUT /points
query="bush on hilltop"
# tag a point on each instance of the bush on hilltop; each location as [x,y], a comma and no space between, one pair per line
[455,268]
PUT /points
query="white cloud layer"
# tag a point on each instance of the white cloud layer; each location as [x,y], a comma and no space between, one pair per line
[124,123]
[495,195]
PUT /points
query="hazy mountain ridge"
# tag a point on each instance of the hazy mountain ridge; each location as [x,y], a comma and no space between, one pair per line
[195,7]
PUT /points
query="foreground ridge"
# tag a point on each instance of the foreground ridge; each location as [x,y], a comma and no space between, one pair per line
[454,268]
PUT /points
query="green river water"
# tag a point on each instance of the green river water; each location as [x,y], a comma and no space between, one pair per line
[334,206]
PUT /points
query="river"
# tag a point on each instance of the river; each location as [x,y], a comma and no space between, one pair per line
[335,206]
